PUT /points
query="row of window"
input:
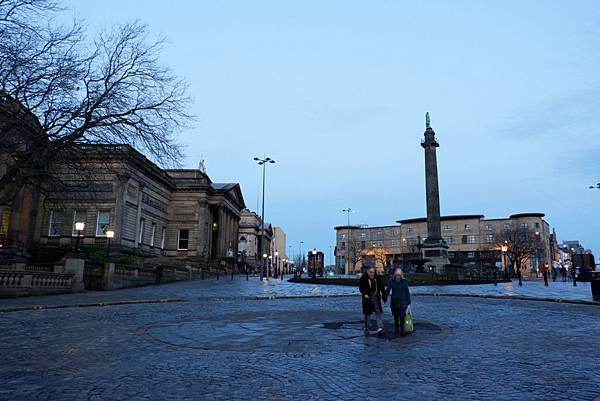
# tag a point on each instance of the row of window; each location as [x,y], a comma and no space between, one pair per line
[58,220]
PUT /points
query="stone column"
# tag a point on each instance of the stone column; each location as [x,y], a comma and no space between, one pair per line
[120,195]
[432,188]
[138,215]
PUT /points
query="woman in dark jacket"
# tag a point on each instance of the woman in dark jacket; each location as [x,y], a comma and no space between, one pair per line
[372,290]
[400,299]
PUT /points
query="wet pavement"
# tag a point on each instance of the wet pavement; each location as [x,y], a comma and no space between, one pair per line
[307,348]
[225,288]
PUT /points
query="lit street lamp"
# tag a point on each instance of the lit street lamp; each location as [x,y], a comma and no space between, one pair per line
[504,249]
[110,234]
[263,163]
[79,227]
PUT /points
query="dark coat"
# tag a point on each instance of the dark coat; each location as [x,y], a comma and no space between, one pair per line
[400,296]
[368,304]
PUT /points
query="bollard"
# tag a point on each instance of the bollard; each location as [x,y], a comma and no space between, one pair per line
[595,284]
[246,274]
[232,275]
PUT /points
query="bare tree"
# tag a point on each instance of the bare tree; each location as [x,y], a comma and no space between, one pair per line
[356,253]
[521,244]
[58,92]
[380,254]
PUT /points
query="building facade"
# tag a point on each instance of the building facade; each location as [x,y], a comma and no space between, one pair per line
[153,212]
[278,248]
[250,255]
[472,241]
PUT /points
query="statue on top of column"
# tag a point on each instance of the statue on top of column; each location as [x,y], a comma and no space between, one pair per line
[427,121]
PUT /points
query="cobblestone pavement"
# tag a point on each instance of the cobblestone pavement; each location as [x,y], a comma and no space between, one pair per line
[301,349]
[240,288]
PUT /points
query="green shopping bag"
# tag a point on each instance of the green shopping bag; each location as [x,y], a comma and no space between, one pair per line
[408,321]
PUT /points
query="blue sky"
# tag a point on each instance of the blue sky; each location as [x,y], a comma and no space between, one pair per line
[336,93]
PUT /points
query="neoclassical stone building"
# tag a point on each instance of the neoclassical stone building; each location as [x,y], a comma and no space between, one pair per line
[249,233]
[153,212]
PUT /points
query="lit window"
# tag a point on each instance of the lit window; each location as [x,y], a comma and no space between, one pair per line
[56,223]
[102,222]
[183,240]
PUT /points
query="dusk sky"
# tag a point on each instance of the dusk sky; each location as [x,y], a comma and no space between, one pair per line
[336,92]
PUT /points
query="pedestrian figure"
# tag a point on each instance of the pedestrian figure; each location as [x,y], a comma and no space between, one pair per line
[399,299]
[372,289]
[158,274]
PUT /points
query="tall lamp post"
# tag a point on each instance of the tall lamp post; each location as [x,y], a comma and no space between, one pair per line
[276,264]
[348,211]
[314,263]
[79,227]
[301,257]
[263,163]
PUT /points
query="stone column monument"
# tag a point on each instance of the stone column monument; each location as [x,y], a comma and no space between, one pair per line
[434,247]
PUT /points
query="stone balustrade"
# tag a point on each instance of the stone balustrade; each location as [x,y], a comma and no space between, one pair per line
[35,280]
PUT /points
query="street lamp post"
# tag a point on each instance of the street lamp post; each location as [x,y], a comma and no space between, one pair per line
[110,234]
[79,227]
[276,264]
[573,268]
[301,257]
[314,263]
[504,249]
[263,163]
[348,211]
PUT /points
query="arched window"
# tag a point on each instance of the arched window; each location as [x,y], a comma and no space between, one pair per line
[242,244]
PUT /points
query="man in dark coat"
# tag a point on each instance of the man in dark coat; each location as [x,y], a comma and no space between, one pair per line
[372,290]
[158,274]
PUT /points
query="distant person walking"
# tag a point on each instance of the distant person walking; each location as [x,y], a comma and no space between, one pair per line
[158,274]
[372,290]
[399,299]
